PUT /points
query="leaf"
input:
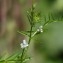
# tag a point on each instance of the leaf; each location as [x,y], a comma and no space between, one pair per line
[29,17]
[13,56]
[0,57]
[23,33]
[27,59]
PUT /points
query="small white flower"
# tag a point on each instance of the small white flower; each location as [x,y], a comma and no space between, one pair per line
[24,44]
[40,29]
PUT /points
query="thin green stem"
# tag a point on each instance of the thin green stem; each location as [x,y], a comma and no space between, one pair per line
[28,43]
[30,35]
[22,55]
[9,60]
[32,13]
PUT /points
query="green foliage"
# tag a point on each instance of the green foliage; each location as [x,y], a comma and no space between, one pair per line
[14,56]
[33,16]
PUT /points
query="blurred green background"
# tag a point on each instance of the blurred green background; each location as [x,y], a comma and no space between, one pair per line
[46,47]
